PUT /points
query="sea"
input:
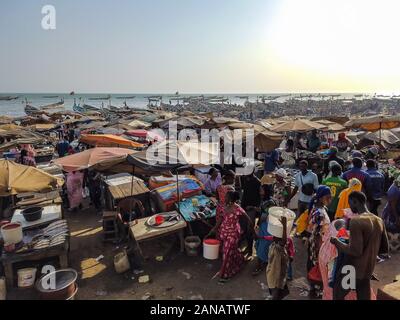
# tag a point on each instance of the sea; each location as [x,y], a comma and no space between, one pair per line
[15,108]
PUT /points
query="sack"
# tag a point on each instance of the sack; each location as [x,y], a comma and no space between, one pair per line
[314,274]
[308,189]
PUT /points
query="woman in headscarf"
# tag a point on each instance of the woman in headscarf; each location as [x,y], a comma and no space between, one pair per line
[354,185]
[318,226]
[228,184]
[262,245]
[229,233]
[282,190]
[74,189]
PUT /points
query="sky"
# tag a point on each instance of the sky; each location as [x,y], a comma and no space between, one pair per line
[201,46]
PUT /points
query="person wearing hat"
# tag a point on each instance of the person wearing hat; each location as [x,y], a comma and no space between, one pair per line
[282,190]
[332,156]
[343,145]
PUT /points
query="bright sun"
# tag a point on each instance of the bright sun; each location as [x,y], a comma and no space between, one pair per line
[350,43]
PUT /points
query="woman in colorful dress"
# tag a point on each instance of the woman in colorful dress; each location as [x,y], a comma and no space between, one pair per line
[262,245]
[282,190]
[74,189]
[229,233]
[228,184]
[318,225]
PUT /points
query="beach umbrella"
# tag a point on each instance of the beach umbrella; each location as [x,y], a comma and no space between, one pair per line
[374,123]
[332,126]
[298,125]
[108,140]
[145,134]
[267,141]
[98,158]
[17,178]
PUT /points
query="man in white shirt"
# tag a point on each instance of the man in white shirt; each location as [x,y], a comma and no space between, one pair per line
[306,182]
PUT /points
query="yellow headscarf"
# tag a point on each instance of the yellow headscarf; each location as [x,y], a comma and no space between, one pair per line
[354,185]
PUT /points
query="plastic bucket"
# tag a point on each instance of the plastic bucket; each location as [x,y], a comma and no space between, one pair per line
[12,233]
[192,243]
[275,227]
[211,249]
[26,277]
[121,262]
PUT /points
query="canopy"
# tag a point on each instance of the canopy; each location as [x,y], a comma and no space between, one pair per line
[137,124]
[17,178]
[141,133]
[167,155]
[297,125]
[267,141]
[108,140]
[332,126]
[100,158]
[374,123]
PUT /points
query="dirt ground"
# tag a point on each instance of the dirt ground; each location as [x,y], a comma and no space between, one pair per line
[178,276]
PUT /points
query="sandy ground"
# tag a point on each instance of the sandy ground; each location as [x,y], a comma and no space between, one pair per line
[176,277]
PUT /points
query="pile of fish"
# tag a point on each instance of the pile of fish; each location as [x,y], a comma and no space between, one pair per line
[54,234]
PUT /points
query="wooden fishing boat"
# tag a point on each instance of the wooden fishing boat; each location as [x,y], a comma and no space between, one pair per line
[8,98]
[126,98]
[31,110]
[101,98]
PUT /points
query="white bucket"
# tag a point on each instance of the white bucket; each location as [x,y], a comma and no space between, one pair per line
[121,262]
[26,277]
[3,290]
[12,233]
[274,224]
[211,249]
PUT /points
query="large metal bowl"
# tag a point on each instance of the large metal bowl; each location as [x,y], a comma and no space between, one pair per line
[64,288]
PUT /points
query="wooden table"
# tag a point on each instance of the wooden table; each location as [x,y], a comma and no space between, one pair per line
[141,232]
[50,214]
[9,259]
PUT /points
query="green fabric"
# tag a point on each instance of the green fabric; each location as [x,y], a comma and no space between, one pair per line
[337,185]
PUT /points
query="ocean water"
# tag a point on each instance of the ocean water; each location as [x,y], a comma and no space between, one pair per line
[16,107]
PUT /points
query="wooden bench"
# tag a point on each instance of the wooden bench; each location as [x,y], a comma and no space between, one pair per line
[389,292]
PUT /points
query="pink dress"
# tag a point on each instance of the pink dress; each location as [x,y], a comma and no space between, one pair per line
[327,254]
[229,233]
[74,188]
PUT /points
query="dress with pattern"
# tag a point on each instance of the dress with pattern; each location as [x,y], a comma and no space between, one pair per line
[229,233]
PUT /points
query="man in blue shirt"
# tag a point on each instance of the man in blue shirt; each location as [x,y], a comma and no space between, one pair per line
[62,147]
[271,161]
[357,172]
[376,186]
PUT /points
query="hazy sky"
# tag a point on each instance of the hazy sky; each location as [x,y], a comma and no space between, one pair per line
[201,46]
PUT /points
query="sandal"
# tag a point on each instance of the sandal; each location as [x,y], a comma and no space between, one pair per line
[223,280]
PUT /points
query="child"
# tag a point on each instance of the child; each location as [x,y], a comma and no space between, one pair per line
[280,253]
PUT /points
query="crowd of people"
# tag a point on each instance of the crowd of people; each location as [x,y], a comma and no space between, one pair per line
[338,221]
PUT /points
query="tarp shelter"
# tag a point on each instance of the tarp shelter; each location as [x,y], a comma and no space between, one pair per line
[98,158]
[374,123]
[332,126]
[167,155]
[137,124]
[108,140]
[16,178]
[144,134]
[298,125]
[267,141]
